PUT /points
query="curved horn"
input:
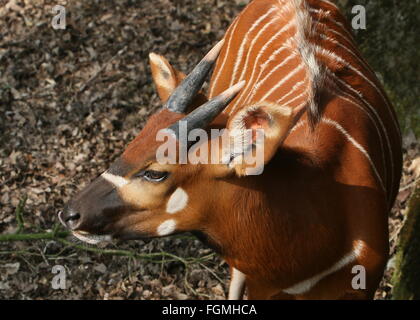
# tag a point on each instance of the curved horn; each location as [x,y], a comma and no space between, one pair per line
[187,90]
[205,114]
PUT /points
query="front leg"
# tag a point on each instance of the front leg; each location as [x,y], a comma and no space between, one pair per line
[237,284]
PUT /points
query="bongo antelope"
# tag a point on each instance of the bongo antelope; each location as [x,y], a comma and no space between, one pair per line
[332,154]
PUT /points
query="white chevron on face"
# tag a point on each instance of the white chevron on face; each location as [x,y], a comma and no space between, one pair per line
[117,181]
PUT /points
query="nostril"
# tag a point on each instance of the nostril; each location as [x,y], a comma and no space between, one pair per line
[70,218]
[73,216]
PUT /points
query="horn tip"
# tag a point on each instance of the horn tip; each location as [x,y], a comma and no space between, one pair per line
[220,43]
[241,84]
[237,87]
[215,51]
[232,91]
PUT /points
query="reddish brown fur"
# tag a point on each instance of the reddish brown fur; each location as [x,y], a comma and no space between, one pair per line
[319,197]
[316,197]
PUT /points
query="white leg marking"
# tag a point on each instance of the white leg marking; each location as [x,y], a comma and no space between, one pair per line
[308,284]
[166,227]
[177,202]
[117,181]
[237,284]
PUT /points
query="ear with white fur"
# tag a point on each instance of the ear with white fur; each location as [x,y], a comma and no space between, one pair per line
[256,133]
[167,79]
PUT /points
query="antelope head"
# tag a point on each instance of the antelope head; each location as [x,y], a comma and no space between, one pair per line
[139,196]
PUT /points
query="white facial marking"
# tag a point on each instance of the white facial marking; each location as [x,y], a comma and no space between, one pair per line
[166,227]
[177,201]
[117,181]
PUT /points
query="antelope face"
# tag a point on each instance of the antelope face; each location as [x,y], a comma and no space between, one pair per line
[141,196]
[138,196]
[133,197]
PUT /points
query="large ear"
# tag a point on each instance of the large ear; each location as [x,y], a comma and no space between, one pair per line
[167,78]
[256,133]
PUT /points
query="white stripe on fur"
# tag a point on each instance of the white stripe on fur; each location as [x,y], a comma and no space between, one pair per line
[306,285]
[244,41]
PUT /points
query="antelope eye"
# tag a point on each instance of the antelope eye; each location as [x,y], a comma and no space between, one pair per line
[154,176]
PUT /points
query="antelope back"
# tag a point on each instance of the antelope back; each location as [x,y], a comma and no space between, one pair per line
[301,54]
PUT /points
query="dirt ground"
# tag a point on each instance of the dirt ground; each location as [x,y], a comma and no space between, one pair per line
[70,100]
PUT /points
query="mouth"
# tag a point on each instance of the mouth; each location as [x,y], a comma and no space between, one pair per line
[91,238]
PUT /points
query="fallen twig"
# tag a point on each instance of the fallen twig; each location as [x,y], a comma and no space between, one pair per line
[33,236]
